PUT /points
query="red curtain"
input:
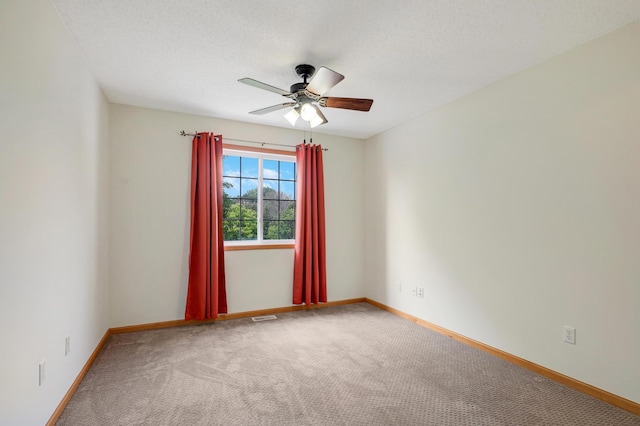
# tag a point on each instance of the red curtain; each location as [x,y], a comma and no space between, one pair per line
[309,268]
[206,295]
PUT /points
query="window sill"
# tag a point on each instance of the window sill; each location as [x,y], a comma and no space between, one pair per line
[259,247]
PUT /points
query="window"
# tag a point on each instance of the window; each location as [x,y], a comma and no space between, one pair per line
[259,192]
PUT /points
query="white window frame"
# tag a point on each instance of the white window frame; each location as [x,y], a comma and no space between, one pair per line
[261,155]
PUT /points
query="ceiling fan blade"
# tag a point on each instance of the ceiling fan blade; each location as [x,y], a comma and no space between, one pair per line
[261,85]
[323,80]
[347,103]
[272,108]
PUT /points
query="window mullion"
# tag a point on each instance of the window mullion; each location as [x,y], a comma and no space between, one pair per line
[260,167]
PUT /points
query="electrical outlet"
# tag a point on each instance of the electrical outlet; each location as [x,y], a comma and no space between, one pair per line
[421,292]
[42,372]
[67,345]
[569,334]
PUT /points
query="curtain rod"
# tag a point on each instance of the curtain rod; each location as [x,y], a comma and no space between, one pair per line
[183,133]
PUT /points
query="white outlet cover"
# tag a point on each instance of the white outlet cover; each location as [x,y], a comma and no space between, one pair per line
[569,334]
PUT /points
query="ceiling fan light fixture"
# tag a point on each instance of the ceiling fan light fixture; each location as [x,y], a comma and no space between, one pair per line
[292,116]
[308,112]
[318,119]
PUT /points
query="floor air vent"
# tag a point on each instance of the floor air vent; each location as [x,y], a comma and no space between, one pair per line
[264,318]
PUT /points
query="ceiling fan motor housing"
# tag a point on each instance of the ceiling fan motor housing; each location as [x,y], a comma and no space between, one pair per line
[295,88]
[305,71]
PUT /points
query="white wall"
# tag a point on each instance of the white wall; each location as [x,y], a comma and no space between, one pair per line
[149,201]
[517,208]
[53,223]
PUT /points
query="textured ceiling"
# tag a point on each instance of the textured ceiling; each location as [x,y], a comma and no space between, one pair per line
[410,56]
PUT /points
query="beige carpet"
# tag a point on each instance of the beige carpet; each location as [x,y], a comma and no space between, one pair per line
[347,365]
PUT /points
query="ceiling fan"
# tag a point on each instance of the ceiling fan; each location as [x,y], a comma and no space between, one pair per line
[306,96]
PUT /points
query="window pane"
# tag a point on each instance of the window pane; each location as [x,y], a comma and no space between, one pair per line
[287,170]
[270,230]
[249,167]
[231,223]
[287,210]
[250,188]
[231,208]
[288,190]
[249,230]
[270,169]
[231,187]
[270,189]
[231,229]
[287,230]
[230,165]
[249,209]
[270,210]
